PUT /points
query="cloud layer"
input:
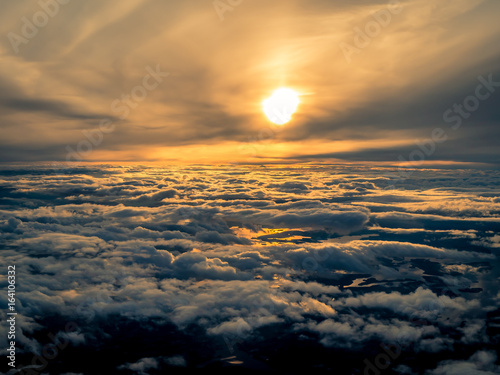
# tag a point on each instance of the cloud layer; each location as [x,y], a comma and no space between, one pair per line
[208,267]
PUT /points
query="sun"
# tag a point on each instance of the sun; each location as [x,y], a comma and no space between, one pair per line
[281,105]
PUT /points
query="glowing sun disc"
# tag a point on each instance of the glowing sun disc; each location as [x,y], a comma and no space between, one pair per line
[281,105]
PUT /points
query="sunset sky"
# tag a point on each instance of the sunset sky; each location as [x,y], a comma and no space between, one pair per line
[253,187]
[362,98]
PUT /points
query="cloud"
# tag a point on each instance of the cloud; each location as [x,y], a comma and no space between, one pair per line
[481,363]
[65,79]
[195,264]
[179,279]
[341,222]
[364,256]
[141,367]
[422,303]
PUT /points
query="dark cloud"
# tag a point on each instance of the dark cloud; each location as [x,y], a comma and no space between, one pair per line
[57,109]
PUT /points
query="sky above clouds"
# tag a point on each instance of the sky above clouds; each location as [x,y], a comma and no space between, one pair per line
[370,104]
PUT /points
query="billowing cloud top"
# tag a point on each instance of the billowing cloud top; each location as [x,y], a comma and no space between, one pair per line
[262,268]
